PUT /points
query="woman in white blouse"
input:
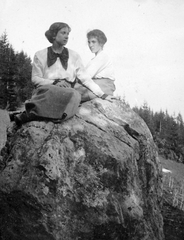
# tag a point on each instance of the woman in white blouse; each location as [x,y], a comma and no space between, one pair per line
[100,68]
[60,66]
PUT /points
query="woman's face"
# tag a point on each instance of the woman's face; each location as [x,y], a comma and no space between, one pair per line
[62,36]
[94,45]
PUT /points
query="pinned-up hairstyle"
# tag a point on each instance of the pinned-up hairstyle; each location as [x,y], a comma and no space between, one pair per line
[99,35]
[53,30]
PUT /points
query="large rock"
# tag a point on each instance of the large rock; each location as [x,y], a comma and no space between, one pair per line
[95,176]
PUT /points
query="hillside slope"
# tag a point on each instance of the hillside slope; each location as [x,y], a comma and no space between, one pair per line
[173,206]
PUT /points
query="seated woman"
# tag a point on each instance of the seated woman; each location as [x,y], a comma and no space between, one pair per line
[56,66]
[100,68]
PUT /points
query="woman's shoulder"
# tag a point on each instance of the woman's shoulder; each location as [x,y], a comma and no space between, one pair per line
[41,52]
[103,55]
[73,53]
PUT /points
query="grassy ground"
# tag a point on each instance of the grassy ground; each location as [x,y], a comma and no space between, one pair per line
[173,182]
[173,200]
[176,168]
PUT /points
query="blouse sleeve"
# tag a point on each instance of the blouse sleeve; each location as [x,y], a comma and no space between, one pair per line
[96,65]
[38,73]
[84,77]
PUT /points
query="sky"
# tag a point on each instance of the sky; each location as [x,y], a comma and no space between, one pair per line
[145,41]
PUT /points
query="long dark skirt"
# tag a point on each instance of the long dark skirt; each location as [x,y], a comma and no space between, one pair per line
[106,84]
[51,102]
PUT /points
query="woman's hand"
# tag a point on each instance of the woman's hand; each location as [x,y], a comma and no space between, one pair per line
[110,98]
[56,81]
[61,83]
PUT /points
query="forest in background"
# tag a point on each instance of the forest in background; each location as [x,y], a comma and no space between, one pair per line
[167,131]
[16,87]
[15,76]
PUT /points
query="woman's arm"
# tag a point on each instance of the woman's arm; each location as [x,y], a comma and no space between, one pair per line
[38,72]
[84,77]
[97,64]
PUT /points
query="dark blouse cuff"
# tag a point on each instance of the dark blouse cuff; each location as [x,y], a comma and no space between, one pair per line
[104,96]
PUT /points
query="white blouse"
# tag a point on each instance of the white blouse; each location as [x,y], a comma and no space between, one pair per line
[42,74]
[101,66]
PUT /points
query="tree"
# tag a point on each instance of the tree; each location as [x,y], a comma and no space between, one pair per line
[15,76]
[147,115]
[24,86]
[167,131]
[4,57]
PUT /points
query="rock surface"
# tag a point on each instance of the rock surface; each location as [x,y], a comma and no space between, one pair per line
[96,176]
[4,123]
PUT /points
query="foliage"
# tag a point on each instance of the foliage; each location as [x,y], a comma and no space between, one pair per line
[15,76]
[167,131]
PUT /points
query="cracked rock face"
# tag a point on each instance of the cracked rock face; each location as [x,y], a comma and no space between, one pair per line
[95,176]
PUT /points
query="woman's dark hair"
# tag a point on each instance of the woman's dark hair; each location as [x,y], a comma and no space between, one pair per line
[53,30]
[98,34]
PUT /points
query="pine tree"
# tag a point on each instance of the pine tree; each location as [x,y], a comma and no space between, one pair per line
[4,56]
[24,86]
[167,131]
[15,76]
